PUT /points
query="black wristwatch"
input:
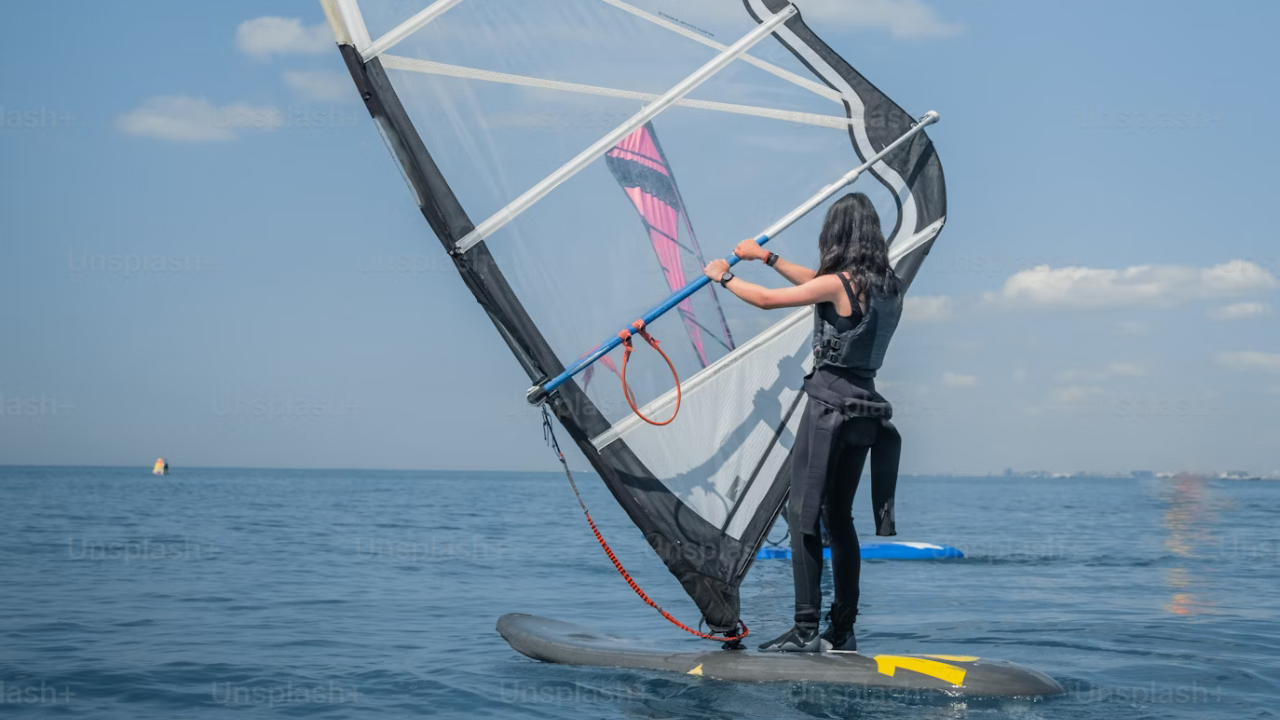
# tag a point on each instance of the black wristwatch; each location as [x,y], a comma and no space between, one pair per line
[724,279]
[771,260]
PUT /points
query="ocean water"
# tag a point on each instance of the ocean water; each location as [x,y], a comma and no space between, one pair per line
[363,594]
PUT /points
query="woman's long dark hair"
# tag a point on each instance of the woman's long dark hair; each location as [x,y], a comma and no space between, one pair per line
[852,242]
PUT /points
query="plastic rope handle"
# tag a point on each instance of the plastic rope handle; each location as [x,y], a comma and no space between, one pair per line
[626,358]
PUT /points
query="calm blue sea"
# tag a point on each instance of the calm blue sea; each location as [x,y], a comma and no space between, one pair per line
[362,594]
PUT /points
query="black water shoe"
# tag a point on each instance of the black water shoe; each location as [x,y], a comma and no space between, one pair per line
[838,637]
[796,639]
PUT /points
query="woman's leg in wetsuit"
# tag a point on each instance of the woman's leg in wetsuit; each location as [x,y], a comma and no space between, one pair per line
[846,555]
[843,474]
[806,569]
[806,549]
[806,566]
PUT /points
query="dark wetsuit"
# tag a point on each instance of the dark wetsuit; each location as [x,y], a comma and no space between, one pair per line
[845,419]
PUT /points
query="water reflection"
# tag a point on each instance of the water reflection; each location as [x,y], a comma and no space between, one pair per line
[1189,520]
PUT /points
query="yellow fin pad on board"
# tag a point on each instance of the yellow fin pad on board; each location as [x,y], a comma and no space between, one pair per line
[889,664]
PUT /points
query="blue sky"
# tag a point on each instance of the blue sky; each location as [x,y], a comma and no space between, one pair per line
[196,214]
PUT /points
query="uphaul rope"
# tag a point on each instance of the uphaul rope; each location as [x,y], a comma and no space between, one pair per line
[549,433]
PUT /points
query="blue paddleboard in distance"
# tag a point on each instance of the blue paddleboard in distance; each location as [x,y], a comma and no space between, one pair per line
[879,551]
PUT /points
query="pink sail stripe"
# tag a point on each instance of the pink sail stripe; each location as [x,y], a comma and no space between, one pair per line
[641,159]
[643,150]
[664,223]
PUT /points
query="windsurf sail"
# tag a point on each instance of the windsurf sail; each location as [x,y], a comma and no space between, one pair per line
[502,115]
[642,169]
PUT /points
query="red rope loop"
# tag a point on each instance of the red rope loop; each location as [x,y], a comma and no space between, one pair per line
[626,358]
[549,433]
[634,586]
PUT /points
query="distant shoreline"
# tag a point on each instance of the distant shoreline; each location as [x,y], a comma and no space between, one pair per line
[1029,475]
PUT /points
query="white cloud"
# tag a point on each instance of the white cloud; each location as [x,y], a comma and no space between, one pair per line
[1076,375]
[1139,286]
[1080,376]
[1126,369]
[903,388]
[951,379]
[1113,370]
[1133,327]
[266,36]
[182,118]
[1240,311]
[1075,394]
[1069,398]
[1247,360]
[927,308]
[1235,278]
[321,85]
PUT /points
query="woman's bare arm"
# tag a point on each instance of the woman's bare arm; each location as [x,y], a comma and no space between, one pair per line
[822,289]
[797,274]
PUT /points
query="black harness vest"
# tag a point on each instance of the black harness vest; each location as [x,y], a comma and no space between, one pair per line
[845,407]
[855,347]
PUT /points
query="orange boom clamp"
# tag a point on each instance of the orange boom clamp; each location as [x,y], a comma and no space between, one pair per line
[626,357]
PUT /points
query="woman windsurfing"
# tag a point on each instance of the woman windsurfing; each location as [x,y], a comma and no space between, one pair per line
[858,302]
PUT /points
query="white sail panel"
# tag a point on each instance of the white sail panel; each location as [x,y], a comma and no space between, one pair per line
[737,422]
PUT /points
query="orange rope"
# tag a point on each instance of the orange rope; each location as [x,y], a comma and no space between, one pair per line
[551,438]
[626,357]
[627,576]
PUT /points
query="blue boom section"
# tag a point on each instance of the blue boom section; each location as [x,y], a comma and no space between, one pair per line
[608,345]
[880,551]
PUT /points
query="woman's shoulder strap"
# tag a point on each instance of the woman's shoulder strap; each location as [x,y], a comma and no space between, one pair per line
[848,290]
